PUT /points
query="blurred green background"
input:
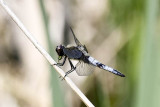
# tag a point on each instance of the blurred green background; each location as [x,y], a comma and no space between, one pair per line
[123,34]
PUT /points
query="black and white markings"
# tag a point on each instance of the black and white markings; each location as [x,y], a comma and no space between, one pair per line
[86,62]
[105,67]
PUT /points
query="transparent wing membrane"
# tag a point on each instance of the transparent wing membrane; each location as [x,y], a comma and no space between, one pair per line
[76,40]
[80,46]
[84,69]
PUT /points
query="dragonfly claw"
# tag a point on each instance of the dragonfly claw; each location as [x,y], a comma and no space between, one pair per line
[64,77]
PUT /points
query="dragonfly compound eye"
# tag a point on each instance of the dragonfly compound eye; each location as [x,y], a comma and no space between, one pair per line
[59,50]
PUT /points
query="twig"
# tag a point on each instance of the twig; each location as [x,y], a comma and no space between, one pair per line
[45,54]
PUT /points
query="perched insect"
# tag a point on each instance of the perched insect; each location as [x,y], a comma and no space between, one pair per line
[86,63]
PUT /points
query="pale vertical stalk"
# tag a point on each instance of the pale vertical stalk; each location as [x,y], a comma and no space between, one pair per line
[45,54]
[57,92]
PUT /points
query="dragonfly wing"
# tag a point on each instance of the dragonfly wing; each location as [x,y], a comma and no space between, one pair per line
[75,39]
[77,42]
[84,69]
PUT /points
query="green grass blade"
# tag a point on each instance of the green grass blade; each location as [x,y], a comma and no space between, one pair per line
[148,90]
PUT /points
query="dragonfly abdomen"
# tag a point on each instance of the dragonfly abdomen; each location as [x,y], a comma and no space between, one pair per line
[105,67]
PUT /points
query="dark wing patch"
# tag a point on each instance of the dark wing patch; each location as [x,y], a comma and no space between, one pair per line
[73,53]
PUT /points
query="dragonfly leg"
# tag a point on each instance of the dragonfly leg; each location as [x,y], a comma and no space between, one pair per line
[72,69]
[61,64]
[71,64]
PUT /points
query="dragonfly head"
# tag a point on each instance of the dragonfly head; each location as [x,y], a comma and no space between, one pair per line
[59,50]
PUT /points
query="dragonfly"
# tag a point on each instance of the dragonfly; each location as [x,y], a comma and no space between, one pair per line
[86,63]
